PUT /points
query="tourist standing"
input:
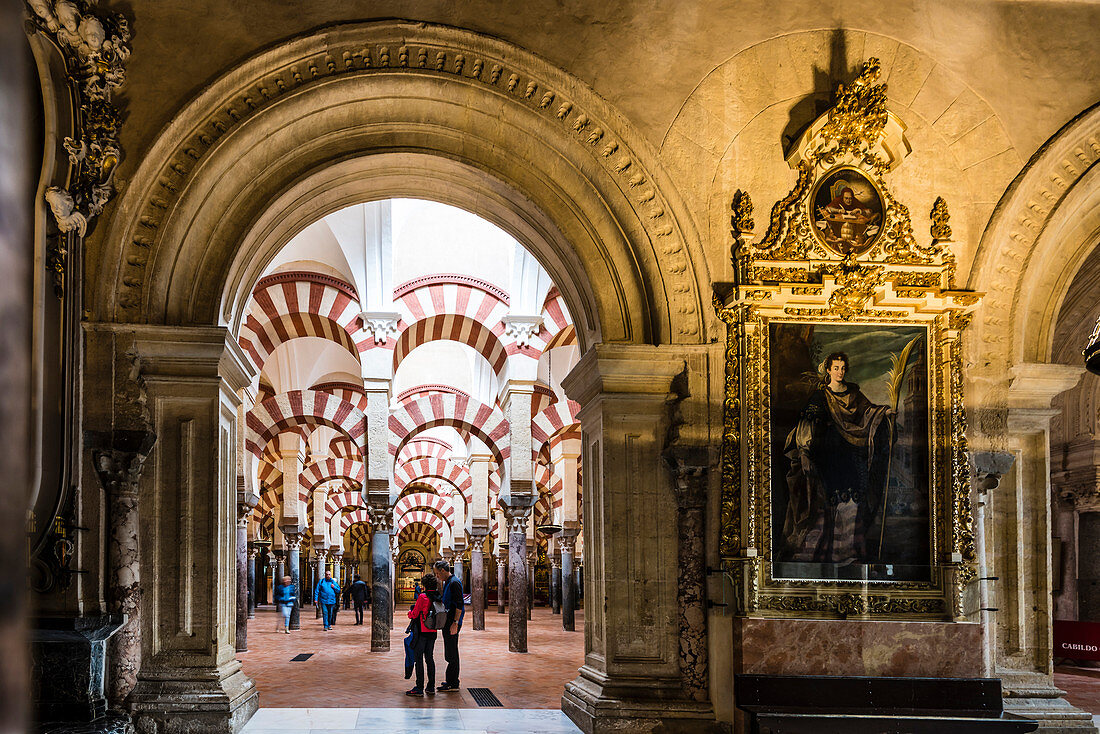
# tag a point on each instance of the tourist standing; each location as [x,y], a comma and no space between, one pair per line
[327,594]
[360,592]
[425,615]
[286,596]
[456,610]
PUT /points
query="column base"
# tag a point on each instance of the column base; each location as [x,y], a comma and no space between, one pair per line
[1036,698]
[598,706]
[195,705]
[68,655]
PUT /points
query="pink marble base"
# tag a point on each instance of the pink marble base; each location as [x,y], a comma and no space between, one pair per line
[856,647]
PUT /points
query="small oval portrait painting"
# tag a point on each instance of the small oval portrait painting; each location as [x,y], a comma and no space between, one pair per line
[847,211]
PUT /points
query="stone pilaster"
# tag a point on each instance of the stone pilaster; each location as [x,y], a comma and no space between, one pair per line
[381,610]
[1018,518]
[477,580]
[190,679]
[689,477]
[118,458]
[517,577]
[631,679]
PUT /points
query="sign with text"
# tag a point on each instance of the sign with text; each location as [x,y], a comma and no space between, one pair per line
[1077,640]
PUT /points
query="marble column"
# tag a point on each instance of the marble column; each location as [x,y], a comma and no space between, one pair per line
[280,568]
[532,557]
[293,542]
[555,585]
[477,581]
[568,541]
[253,580]
[502,578]
[986,470]
[689,479]
[381,610]
[244,509]
[118,458]
[319,556]
[517,577]
[337,567]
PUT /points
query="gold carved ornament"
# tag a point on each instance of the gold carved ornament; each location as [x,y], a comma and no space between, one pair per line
[795,274]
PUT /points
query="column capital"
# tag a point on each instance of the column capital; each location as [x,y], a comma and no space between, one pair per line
[516,517]
[320,553]
[279,554]
[293,540]
[337,555]
[567,543]
[118,458]
[381,518]
[988,467]
[522,329]
[622,369]
[253,552]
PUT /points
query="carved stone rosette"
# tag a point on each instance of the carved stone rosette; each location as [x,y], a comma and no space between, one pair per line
[118,458]
[829,261]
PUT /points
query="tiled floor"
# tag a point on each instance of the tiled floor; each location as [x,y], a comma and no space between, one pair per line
[344,674]
[1082,687]
[408,721]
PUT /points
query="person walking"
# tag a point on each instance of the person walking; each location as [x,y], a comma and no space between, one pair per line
[456,610]
[360,592]
[427,615]
[327,594]
[286,595]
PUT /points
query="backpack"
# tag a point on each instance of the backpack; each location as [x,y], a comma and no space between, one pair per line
[436,616]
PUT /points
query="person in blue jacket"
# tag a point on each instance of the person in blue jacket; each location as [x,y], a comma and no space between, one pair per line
[327,594]
[286,596]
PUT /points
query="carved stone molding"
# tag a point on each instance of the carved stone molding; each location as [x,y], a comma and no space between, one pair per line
[522,329]
[382,325]
[661,228]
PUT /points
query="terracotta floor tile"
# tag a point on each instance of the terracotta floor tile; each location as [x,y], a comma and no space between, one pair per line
[343,672]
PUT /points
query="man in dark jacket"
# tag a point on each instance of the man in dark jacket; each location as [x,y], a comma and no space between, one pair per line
[456,610]
[360,592]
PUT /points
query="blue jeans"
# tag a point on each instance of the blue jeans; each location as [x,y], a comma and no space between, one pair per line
[328,614]
[284,610]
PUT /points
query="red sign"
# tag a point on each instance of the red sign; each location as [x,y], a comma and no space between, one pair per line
[1077,640]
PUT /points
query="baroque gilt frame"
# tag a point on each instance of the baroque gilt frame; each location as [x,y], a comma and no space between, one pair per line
[791,276]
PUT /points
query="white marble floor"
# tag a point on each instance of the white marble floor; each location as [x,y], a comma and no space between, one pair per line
[409,721]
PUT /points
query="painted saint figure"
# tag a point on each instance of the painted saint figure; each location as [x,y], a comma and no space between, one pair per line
[839,453]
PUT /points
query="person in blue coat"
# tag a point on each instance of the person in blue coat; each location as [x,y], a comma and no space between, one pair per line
[327,594]
[286,596]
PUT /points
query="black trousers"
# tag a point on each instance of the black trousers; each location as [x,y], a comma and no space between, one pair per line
[359,606]
[424,647]
[450,654]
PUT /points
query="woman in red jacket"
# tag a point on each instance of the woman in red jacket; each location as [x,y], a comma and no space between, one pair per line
[425,636]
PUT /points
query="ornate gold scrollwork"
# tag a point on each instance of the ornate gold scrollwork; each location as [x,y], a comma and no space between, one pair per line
[799,273]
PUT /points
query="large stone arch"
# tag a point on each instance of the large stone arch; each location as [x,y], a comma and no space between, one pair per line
[289,136]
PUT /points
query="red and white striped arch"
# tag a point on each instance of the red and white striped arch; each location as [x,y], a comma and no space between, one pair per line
[425,446]
[425,517]
[559,417]
[290,305]
[330,469]
[340,500]
[300,408]
[451,327]
[422,533]
[417,469]
[352,393]
[484,421]
[343,447]
[427,501]
[359,516]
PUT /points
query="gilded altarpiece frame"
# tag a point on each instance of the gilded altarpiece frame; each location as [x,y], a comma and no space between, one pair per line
[846,264]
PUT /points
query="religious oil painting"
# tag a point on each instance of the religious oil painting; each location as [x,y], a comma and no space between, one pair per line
[849,452]
[847,211]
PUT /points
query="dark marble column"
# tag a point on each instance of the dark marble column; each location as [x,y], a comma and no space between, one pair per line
[118,458]
[280,568]
[555,585]
[243,511]
[532,557]
[319,556]
[567,541]
[381,610]
[517,577]
[253,577]
[689,476]
[502,578]
[477,581]
[293,561]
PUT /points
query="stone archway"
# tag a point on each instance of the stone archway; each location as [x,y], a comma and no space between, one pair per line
[360,112]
